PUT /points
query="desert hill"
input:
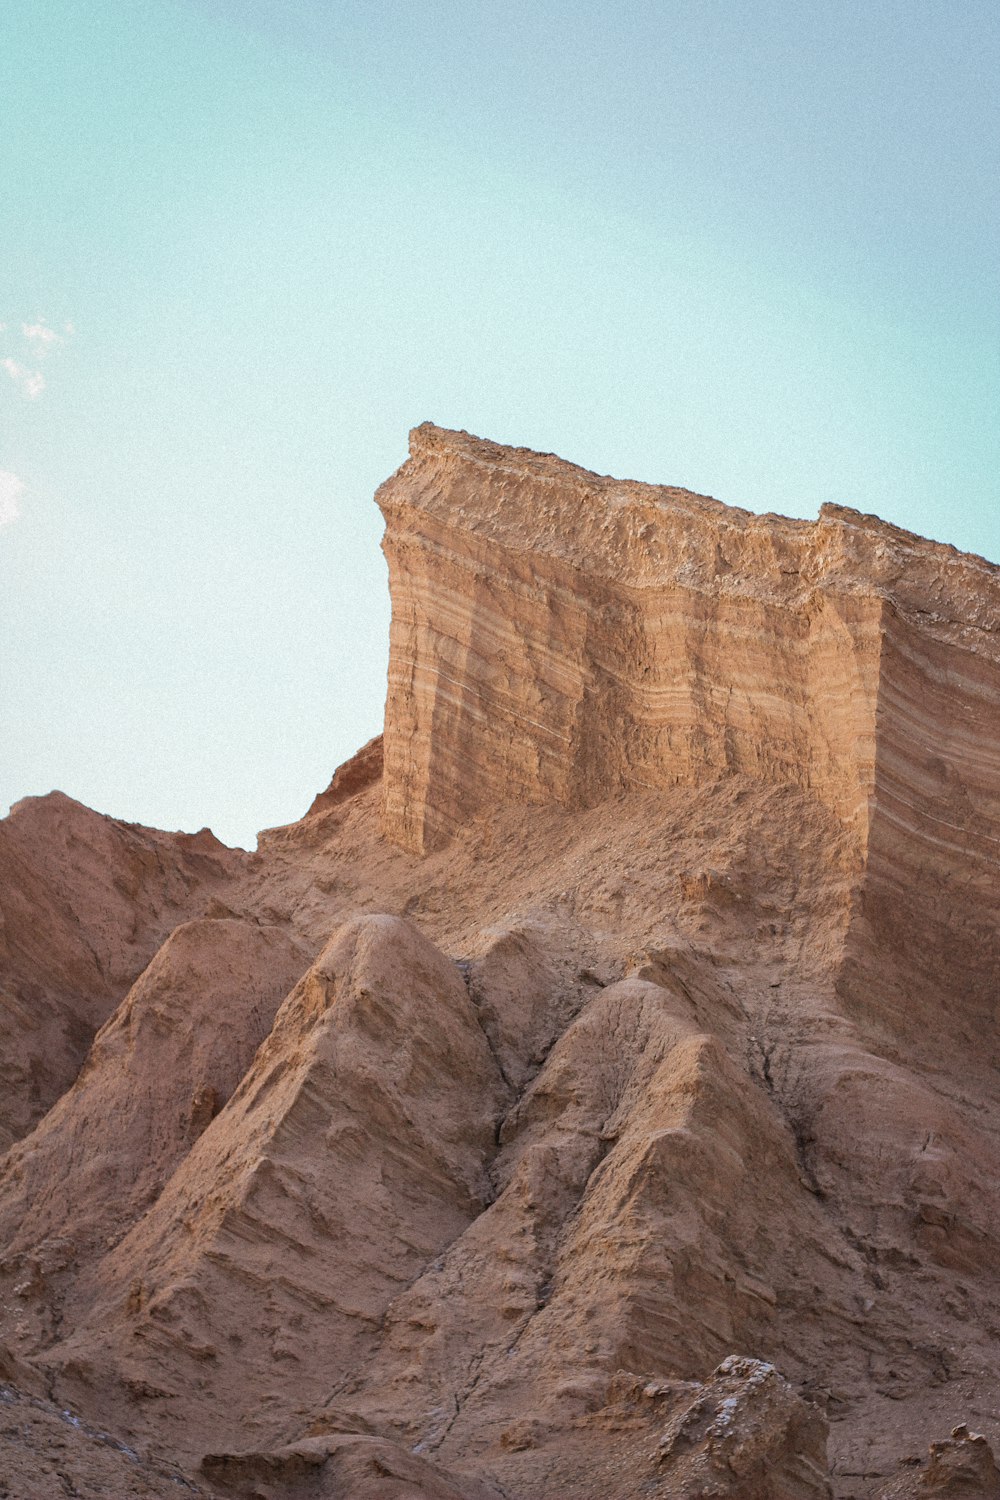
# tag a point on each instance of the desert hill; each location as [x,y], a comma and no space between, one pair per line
[593,1095]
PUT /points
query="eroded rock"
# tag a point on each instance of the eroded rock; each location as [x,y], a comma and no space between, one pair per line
[661,1024]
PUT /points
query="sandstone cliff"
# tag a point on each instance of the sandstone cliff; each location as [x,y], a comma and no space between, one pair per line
[559,636]
[593,1094]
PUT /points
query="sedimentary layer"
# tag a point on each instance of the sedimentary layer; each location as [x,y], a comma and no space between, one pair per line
[562,636]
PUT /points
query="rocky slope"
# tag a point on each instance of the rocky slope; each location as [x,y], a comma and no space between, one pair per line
[85,901]
[594,1093]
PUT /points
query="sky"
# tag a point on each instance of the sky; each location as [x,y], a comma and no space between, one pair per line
[245,245]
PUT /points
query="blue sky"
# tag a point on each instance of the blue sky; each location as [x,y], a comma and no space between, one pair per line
[749,249]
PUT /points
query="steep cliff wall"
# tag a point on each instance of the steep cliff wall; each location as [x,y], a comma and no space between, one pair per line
[558,636]
[921,968]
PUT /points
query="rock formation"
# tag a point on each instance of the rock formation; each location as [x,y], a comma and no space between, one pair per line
[561,637]
[962,1465]
[85,901]
[593,1094]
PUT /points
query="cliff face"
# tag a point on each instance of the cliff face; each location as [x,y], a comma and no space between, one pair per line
[560,636]
[594,1094]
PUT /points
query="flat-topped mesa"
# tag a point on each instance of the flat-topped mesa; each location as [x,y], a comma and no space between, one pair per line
[560,636]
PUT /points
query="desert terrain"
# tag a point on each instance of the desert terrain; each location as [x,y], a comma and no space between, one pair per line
[593,1096]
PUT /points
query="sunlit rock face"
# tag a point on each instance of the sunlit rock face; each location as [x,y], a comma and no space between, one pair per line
[559,636]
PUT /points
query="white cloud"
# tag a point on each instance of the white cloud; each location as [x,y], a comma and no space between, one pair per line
[31,382]
[11,490]
[41,340]
[40,333]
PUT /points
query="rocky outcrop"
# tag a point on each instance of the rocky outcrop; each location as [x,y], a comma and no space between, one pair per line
[457,1162]
[85,901]
[353,1151]
[743,1433]
[643,1190]
[157,1074]
[363,770]
[561,636]
[961,1467]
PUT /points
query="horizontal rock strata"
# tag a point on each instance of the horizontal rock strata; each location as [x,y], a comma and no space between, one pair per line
[562,636]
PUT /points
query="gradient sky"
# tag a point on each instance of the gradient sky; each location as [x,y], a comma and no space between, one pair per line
[247,244]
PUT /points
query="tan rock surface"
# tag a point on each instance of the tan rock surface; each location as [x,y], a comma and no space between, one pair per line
[339,1466]
[561,636]
[47,1451]
[956,1467]
[652,1029]
[157,1073]
[85,901]
[352,1153]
